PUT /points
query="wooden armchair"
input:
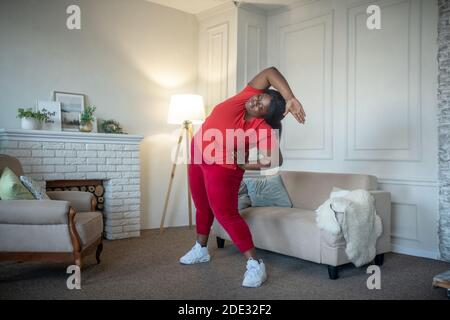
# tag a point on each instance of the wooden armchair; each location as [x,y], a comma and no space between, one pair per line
[64,229]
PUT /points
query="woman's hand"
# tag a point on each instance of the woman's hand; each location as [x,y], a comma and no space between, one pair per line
[295,107]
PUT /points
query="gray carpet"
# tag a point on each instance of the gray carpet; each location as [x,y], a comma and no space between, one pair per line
[148,268]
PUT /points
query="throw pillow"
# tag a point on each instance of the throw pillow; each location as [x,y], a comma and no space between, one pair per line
[11,188]
[243,198]
[267,192]
[35,188]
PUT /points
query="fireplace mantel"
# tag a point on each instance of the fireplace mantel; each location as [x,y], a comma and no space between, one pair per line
[62,155]
[63,136]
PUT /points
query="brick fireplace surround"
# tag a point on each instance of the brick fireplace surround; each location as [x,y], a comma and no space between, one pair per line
[61,155]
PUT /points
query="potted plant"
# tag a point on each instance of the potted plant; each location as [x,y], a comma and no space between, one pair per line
[111,126]
[32,120]
[87,118]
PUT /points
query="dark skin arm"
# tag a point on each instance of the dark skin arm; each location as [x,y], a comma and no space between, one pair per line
[264,163]
[272,77]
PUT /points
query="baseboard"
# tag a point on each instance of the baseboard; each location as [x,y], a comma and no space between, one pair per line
[416,252]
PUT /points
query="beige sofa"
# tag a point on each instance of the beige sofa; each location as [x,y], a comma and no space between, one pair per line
[64,229]
[294,232]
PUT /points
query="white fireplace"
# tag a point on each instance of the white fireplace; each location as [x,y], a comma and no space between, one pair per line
[61,155]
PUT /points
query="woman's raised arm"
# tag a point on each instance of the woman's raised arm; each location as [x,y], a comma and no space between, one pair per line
[272,77]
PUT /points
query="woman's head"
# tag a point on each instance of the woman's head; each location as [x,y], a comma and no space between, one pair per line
[269,105]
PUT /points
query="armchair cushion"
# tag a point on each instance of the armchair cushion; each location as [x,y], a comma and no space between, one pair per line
[50,237]
[37,212]
[79,200]
[11,188]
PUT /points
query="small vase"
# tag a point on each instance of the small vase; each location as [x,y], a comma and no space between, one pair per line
[87,127]
[31,124]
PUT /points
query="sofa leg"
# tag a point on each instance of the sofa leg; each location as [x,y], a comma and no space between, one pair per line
[379,259]
[333,272]
[220,243]
[98,252]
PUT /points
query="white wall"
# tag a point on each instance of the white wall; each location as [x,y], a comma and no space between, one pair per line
[217,54]
[370,99]
[252,46]
[128,58]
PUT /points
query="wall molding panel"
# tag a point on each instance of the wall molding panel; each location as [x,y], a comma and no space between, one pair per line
[217,63]
[252,56]
[317,138]
[384,100]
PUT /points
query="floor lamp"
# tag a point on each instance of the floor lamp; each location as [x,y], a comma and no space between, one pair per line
[184,110]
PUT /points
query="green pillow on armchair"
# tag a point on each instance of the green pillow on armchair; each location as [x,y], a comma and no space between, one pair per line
[11,188]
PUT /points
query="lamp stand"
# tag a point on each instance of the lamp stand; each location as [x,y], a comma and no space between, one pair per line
[187,131]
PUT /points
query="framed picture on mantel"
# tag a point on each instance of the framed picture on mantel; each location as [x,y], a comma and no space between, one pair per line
[72,104]
[54,107]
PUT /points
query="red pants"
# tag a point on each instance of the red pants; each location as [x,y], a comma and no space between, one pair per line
[215,193]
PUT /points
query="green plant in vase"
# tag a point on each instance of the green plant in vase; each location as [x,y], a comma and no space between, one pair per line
[111,126]
[32,120]
[87,118]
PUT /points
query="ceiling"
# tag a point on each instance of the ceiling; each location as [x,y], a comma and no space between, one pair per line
[197,6]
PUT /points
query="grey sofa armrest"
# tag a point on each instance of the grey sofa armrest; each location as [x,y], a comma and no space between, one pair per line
[383,208]
[35,212]
[79,200]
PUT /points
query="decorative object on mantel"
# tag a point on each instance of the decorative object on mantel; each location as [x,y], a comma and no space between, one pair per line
[72,105]
[111,126]
[32,120]
[54,107]
[87,119]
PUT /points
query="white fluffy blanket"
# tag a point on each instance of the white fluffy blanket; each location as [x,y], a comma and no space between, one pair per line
[352,213]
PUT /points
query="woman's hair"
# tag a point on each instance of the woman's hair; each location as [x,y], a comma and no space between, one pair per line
[276,109]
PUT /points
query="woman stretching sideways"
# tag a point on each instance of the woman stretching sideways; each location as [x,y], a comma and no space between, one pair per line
[219,159]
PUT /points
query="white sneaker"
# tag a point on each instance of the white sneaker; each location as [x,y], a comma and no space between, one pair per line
[255,274]
[197,254]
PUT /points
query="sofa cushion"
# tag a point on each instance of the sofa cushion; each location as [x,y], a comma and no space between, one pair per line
[11,188]
[267,192]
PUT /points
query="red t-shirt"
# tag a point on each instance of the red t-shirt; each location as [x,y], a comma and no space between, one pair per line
[225,131]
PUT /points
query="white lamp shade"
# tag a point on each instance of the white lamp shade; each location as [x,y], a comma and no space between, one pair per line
[186,107]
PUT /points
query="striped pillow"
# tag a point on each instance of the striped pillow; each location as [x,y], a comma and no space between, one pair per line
[35,188]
